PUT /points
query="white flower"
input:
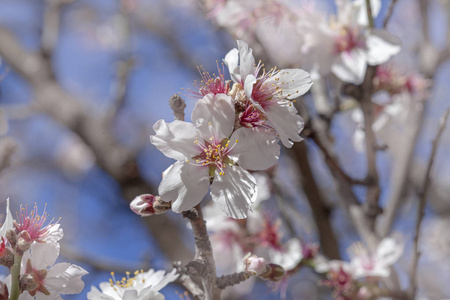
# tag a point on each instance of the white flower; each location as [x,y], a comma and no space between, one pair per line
[269,93]
[377,264]
[61,278]
[207,155]
[144,286]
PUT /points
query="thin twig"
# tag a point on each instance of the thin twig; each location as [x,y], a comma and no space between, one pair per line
[369,14]
[389,13]
[422,202]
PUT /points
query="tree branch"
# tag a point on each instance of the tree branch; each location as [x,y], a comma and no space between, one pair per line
[422,202]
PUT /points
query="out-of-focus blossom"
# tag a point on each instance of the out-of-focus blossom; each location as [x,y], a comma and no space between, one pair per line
[207,155]
[143,286]
[366,264]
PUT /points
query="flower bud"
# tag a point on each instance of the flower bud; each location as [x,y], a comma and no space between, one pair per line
[254,265]
[147,205]
[6,257]
[28,283]
[11,236]
[273,272]
[24,242]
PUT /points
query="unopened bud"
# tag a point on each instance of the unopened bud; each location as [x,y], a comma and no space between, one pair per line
[273,272]
[11,236]
[310,251]
[254,265]
[148,205]
[27,282]
[6,258]
[24,242]
[4,295]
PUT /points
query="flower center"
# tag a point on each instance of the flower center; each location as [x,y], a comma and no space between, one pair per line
[214,154]
[215,84]
[33,223]
[125,283]
[348,39]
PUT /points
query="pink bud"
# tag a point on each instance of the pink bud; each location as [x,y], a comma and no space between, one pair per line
[254,264]
[148,205]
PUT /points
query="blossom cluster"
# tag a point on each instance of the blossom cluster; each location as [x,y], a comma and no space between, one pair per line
[236,126]
[29,248]
[342,44]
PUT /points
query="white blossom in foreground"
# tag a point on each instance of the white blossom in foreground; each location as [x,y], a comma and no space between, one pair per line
[365,264]
[143,286]
[210,154]
[269,95]
[41,282]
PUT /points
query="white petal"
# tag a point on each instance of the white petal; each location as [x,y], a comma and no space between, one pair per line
[95,294]
[232,62]
[286,122]
[289,256]
[40,296]
[147,295]
[250,80]
[8,223]
[42,255]
[257,148]
[389,251]
[381,46]
[165,280]
[176,139]
[185,185]
[293,82]
[214,116]
[351,66]
[65,278]
[54,234]
[234,192]
[246,59]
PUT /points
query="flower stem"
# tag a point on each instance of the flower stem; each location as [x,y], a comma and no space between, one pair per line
[15,273]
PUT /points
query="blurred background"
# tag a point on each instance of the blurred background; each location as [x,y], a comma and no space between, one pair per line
[83,82]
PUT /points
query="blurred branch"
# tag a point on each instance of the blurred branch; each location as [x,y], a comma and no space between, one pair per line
[422,202]
[389,13]
[50,27]
[115,159]
[7,148]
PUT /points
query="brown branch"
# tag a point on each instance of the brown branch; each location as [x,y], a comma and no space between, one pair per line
[115,159]
[422,202]
[321,211]
[203,266]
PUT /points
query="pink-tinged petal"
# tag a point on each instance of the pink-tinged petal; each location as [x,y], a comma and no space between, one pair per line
[232,62]
[292,82]
[351,66]
[41,296]
[176,139]
[8,223]
[214,116]
[65,278]
[42,255]
[234,192]
[381,46]
[246,59]
[257,148]
[286,122]
[185,185]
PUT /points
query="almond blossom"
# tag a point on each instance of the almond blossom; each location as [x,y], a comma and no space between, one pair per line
[269,94]
[377,264]
[210,154]
[40,282]
[143,286]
